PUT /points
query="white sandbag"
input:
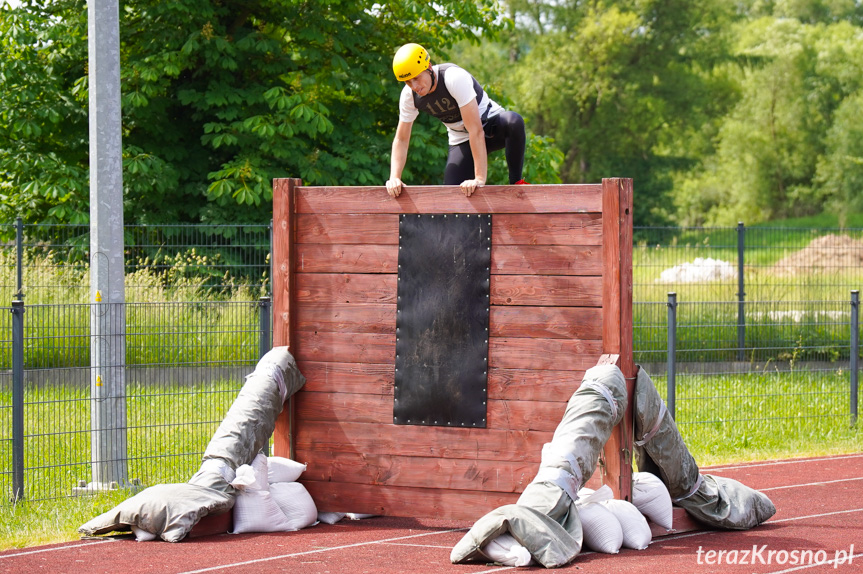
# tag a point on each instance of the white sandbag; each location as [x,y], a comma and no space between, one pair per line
[651,498]
[256,511]
[142,535]
[507,551]
[296,503]
[601,529]
[252,477]
[330,517]
[355,516]
[636,531]
[283,469]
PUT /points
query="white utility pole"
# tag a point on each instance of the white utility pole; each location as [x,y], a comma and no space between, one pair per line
[107,292]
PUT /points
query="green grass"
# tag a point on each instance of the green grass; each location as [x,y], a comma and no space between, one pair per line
[723,419]
[169,428]
[766,415]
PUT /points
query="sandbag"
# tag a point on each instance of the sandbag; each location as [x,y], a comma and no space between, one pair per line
[330,517]
[296,503]
[545,519]
[602,530]
[256,511]
[651,498]
[169,511]
[633,525]
[546,540]
[507,551]
[659,449]
[281,469]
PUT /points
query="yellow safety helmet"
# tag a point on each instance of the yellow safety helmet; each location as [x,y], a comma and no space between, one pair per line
[410,61]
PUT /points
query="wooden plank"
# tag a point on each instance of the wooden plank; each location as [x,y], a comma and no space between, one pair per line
[450,199]
[546,260]
[627,361]
[550,290]
[526,385]
[503,384]
[550,354]
[345,288]
[446,443]
[339,406]
[346,348]
[547,229]
[357,378]
[284,292]
[378,409]
[410,502]
[510,260]
[348,228]
[680,522]
[529,415]
[546,322]
[347,318]
[317,258]
[420,472]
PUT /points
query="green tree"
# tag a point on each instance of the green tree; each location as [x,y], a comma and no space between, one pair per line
[787,147]
[219,97]
[621,85]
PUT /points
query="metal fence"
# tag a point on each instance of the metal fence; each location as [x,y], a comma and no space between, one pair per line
[763,338]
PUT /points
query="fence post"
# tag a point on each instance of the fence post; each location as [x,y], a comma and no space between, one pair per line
[265,304]
[19,260]
[672,352]
[17,400]
[855,351]
[741,293]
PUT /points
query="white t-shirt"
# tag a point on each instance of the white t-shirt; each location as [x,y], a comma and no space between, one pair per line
[460,85]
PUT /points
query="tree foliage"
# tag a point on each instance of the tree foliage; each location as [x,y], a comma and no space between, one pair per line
[720,111]
[219,97]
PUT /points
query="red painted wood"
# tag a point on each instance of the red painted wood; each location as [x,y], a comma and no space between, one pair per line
[547,229]
[553,291]
[420,472]
[546,260]
[345,288]
[400,501]
[348,228]
[442,199]
[378,409]
[530,385]
[320,258]
[378,379]
[545,322]
[346,348]
[347,318]
[284,291]
[551,354]
[478,444]
[552,282]
[356,378]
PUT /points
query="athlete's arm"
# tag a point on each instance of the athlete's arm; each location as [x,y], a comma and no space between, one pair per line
[473,124]
[399,157]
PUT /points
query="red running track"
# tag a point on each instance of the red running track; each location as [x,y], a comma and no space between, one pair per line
[818,528]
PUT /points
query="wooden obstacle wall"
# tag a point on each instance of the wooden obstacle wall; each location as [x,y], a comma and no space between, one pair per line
[561,302]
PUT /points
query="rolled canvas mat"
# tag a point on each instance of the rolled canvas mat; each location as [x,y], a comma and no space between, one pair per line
[659,449]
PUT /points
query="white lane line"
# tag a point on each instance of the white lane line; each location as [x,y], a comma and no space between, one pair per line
[811,483]
[815,515]
[28,552]
[319,550]
[779,462]
[805,566]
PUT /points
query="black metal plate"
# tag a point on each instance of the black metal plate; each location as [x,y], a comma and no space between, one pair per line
[442,321]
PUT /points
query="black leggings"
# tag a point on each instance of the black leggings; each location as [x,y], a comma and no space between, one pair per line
[505,130]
